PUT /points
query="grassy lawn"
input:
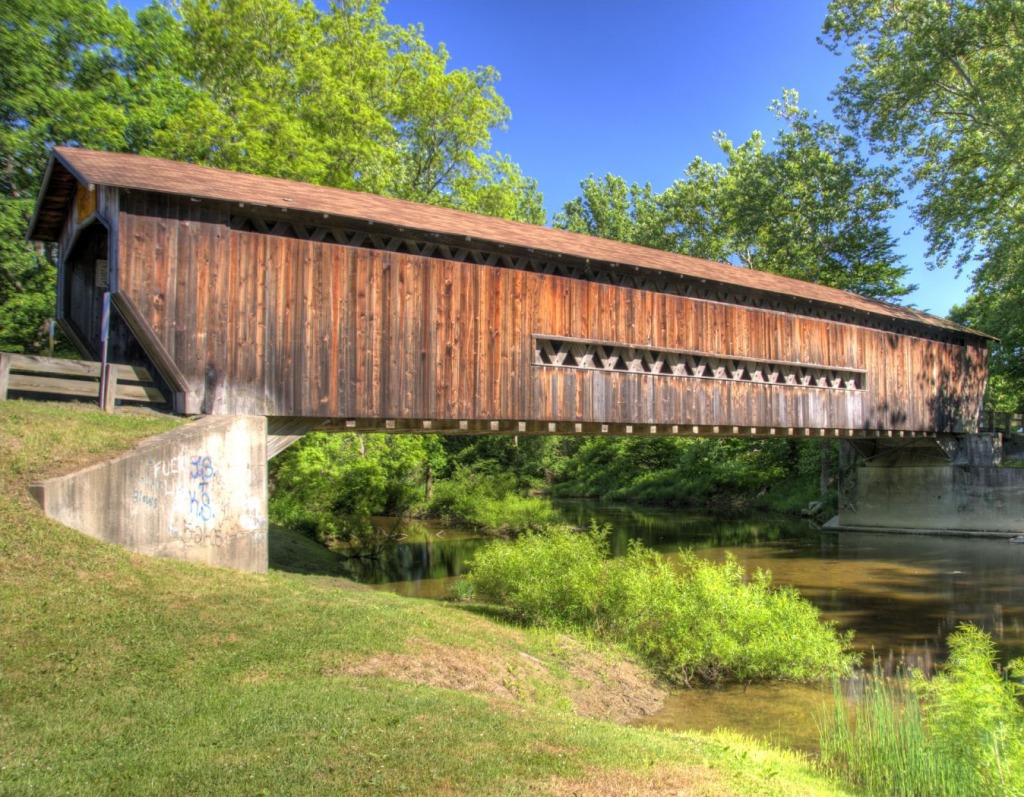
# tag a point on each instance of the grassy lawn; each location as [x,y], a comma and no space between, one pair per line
[126,675]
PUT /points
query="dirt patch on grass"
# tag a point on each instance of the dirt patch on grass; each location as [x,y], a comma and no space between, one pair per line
[449,668]
[659,782]
[612,689]
[599,685]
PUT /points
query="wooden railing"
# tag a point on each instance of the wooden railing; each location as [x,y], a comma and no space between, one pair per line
[991,421]
[77,379]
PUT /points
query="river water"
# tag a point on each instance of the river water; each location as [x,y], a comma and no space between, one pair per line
[901,594]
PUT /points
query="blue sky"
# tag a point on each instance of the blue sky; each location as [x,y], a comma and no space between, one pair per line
[637,88]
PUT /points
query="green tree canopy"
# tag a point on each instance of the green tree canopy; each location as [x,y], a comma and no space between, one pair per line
[936,86]
[810,207]
[60,82]
[609,208]
[336,97]
[27,291]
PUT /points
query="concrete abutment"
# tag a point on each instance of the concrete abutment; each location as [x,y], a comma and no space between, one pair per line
[197,493]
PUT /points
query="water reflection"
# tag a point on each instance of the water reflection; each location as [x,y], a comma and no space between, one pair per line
[902,594]
[423,565]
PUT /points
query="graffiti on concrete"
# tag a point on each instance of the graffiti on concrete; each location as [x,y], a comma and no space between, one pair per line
[201,474]
[189,490]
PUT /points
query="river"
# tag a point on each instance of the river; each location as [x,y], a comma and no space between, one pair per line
[901,594]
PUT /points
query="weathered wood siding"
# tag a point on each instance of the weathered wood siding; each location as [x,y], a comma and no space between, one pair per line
[272,325]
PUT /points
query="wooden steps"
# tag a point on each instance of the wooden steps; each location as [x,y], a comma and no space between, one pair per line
[83,379]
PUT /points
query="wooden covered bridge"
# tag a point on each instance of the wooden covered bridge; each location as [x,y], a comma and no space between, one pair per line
[252,298]
[323,308]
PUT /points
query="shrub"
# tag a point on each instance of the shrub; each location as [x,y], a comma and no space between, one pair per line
[548,578]
[973,716]
[702,621]
[489,502]
[705,621]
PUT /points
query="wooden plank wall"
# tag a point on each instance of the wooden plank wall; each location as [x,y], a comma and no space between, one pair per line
[271,325]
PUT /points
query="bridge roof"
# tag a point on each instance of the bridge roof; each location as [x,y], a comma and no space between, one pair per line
[91,168]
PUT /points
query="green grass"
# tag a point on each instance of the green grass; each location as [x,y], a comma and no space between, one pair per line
[126,675]
[294,552]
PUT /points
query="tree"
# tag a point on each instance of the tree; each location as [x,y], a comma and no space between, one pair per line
[336,97]
[995,303]
[27,292]
[330,485]
[60,82]
[936,87]
[809,207]
[608,208]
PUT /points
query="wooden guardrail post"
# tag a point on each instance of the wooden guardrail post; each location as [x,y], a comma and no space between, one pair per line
[5,374]
[108,387]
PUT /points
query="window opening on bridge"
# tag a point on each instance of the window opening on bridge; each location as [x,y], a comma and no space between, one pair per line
[598,356]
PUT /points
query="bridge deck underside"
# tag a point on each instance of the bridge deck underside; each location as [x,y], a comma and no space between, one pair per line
[298,426]
[283,432]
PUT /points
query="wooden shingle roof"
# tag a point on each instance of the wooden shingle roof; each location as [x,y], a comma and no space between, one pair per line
[69,165]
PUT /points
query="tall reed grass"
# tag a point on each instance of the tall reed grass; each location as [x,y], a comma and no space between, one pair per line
[881,745]
[959,734]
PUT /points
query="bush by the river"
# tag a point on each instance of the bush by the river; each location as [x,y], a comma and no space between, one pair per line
[960,734]
[693,622]
[490,502]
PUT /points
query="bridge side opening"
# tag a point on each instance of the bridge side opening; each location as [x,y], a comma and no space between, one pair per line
[84,279]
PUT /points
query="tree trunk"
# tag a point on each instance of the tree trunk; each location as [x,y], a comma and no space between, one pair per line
[826,466]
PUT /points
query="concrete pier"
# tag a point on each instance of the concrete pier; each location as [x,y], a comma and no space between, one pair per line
[951,483]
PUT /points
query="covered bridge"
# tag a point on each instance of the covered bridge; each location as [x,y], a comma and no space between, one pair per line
[325,308]
[255,298]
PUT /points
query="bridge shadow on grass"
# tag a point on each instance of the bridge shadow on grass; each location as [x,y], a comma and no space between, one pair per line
[294,552]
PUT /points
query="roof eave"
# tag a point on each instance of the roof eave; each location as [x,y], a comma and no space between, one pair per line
[56,160]
[44,187]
